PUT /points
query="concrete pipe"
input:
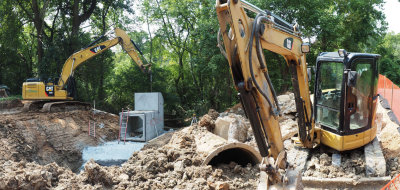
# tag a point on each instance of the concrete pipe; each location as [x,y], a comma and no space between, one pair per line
[214,149]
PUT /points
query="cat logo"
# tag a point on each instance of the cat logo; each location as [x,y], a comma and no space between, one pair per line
[97,48]
[288,43]
[49,90]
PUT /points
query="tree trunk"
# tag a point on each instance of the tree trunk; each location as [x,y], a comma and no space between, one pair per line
[38,21]
[77,20]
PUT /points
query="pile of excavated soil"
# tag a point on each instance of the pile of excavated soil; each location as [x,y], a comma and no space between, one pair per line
[389,138]
[10,104]
[287,122]
[172,162]
[53,137]
[175,165]
[352,165]
[353,162]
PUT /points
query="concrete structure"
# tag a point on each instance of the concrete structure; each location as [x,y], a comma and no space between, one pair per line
[146,121]
[375,164]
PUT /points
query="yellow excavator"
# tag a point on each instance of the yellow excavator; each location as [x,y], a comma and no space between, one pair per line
[343,113]
[48,93]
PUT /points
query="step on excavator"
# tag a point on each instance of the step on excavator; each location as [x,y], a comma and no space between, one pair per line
[342,115]
[58,94]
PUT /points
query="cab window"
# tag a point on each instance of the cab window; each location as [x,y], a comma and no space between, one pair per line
[328,94]
[363,93]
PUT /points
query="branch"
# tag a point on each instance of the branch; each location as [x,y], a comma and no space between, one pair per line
[53,24]
[165,25]
[86,14]
[23,9]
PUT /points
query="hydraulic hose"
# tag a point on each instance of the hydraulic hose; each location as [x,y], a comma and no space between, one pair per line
[261,59]
[275,110]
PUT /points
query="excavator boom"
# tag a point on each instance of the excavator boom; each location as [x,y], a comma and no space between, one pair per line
[244,40]
[81,56]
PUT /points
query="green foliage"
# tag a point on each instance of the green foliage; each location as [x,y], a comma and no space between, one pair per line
[179,39]
[15,97]
[389,49]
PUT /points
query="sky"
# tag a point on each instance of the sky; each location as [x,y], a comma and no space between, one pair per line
[392,12]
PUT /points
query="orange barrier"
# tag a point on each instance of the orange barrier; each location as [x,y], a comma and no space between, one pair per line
[391,93]
[394,184]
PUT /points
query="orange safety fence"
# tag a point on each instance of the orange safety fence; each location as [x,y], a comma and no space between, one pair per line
[391,93]
[394,184]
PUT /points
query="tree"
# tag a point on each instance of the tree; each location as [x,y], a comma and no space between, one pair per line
[389,49]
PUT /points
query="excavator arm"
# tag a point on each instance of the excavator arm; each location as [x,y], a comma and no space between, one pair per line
[244,40]
[83,55]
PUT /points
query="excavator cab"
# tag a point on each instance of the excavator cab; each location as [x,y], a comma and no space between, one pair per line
[345,98]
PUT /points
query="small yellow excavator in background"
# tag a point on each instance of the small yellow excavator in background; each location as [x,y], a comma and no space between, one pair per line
[64,87]
[343,116]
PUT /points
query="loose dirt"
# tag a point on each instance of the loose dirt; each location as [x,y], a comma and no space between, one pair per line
[53,137]
[29,141]
[352,165]
[389,138]
[175,165]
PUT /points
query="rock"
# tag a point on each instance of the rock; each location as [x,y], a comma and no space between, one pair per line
[283,98]
[325,160]
[375,161]
[232,128]
[178,166]
[288,128]
[237,169]
[213,114]
[287,103]
[208,122]
[123,177]
[223,186]
[336,160]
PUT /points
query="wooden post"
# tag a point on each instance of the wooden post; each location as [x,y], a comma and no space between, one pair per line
[384,86]
[391,104]
[120,124]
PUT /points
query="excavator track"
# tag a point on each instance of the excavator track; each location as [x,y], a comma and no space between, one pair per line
[65,106]
[58,106]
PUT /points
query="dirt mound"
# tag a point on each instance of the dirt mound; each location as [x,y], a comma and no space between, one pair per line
[389,138]
[23,175]
[173,162]
[53,137]
[173,166]
[9,104]
[352,165]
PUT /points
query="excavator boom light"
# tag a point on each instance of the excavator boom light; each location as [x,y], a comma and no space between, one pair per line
[342,53]
[305,47]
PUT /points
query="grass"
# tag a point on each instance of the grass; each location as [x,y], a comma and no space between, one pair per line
[14,97]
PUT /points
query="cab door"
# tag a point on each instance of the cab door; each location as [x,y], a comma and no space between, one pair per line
[358,102]
[328,95]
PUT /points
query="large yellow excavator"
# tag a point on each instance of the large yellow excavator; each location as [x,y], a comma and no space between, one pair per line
[345,89]
[64,88]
